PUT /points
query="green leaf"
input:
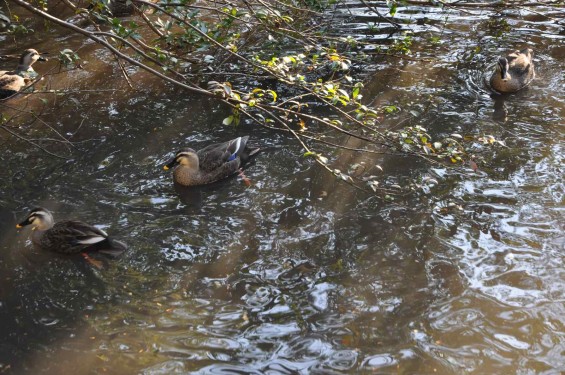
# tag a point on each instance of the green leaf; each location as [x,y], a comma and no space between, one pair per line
[343,93]
[355,93]
[228,120]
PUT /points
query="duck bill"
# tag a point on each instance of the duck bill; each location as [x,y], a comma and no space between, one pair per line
[503,65]
[170,164]
[23,223]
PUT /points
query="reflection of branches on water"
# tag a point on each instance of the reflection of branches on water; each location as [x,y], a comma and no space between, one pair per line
[32,142]
[35,117]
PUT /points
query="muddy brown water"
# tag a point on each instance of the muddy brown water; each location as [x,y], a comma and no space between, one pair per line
[298,273]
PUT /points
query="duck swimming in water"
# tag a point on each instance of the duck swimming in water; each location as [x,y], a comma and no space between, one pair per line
[11,82]
[68,237]
[513,71]
[210,164]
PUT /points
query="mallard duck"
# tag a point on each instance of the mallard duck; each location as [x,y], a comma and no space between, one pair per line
[513,72]
[11,82]
[68,237]
[210,164]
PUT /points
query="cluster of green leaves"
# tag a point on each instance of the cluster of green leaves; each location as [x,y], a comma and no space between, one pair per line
[69,58]
[402,45]
[176,31]
[454,147]
[272,17]
[131,29]
[12,26]
[250,42]
[416,139]
[242,101]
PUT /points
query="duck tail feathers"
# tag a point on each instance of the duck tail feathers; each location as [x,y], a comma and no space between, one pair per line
[114,248]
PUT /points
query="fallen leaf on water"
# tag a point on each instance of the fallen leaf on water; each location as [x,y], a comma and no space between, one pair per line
[473,165]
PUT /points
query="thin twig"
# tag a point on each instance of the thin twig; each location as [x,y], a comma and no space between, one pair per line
[6,129]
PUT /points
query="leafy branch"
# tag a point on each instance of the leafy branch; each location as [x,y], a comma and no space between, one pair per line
[177,42]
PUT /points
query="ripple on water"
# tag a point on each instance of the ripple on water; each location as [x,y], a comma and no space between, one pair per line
[271,279]
[379,361]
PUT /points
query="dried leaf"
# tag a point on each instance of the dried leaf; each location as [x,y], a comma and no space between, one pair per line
[473,165]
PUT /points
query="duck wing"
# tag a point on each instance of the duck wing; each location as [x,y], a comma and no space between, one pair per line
[222,155]
[72,237]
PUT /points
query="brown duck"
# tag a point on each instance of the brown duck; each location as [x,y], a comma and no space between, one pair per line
[210,164]
[513,72]
[68,237]
[11,82]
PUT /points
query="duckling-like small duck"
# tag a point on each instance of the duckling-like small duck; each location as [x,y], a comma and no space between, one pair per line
[11,82]
[514,71]
[210,164]
[68,237]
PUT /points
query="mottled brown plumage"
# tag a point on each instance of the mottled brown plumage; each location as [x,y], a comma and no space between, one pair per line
[210,164]
[68,237]
[513,72]
[11,82]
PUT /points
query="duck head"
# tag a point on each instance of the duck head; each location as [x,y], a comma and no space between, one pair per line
[28,58]
[519,60]
[186,157]
[39,218]
[502,68]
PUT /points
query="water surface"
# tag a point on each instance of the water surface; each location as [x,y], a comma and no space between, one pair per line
[297,273]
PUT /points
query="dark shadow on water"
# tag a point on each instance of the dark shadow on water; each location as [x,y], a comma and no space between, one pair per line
[44,298]
[190,195]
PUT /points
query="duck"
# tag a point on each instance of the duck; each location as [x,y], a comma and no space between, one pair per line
[210,164]
[11,82]
[69,236]
[513,71]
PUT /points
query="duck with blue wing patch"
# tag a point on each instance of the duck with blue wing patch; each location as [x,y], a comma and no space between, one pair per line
[210,164]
